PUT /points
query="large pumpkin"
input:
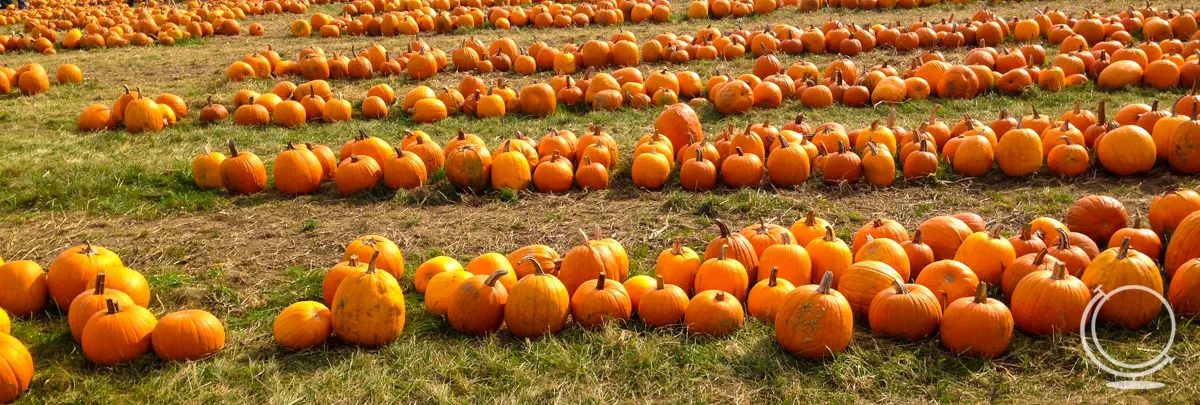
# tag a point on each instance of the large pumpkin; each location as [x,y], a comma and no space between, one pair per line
[1050,302]
[677,266]
[368,309]
[585,262]
[739,249]
[987,254]
[73,268]
[713,313]
[977,326]
[88,303]
[1096,216]
[680,124]
[815,321]
[469,168]
[906,311]
[391,259]
[944,234]
[117,335]
[1118,267]
[861,281]
[538,305]
[477,304]
[664,305]
[600,301]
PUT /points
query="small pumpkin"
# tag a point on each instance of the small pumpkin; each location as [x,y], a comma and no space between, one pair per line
[303,325]
[977,326]
[905,311]
[600,301]
[664,305]
[119,334]
[188,335]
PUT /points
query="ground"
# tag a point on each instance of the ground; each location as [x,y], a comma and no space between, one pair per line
[246,258]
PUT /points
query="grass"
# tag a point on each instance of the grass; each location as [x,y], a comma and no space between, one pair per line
[246,258]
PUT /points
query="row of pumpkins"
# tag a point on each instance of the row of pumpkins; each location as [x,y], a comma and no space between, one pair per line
[804,279]
[442,16]
[115,24]
[357,167]
[106,306]
[32,78]
[717,9]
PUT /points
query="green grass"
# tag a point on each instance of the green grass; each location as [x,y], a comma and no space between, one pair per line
[246,258]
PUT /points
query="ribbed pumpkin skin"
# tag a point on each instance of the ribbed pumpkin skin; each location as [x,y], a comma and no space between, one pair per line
[829,254]
[950,277]
[22,288]
[665,305]
[538,305]
[678,266]
[944,235]
[1097,216]
[910,313]
[545,256]
[488,263]
[1184,294]
[862,281]
[16,368]
[74,267]
[112,337]
[887,251]
[188,335]
[368,309]
[592,307]
[585,262]
[432,267]
[722,273]
[808,229]
[880,228]
[793,262]
[740,249]
[764,299]
[303,325]
[1024,266]
[977,326]
[1168,210]
[1184,244]
[1045,303]
[814,321]
[1118,267]
[713,313]
[988,255]
[477,305]
[128,281]
[919,254]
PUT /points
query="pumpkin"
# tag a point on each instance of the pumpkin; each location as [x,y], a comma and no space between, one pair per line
[905,311]
[1019,152]
[431,268]
[33,80]
[742,169]
[143,115]
[679,123]
[117,335]
[977,326]
[333,279]
[297,171]
[73,268]
[16,368]
[469,168]
[585,262]
[637,286]
[477,304]
[1023,266]
[1167,210]
[1184,143]
[242,172]
[88,303]
[950,279]
[861,281]
[764,299]
[651,170]
[678,266]
[734,97]
[1026,242]
[1064,249]
[841,167]
[1141,239]
[249,114]
[738,248]
[303,325]
[600,301]
[698,173]
[713,313]
[918,253]
[69,74]
[1048,302]
[987,254]
[1119,267]
[1120,74]
[814,321]
[1067,159]
[390,259]
[95,117]
[722,273]
[538,100]
[22,288]
[1185,284]
[357,174]
[788,164]
[664,305]
[188,335]
[1127,150]
[368,308]
[1097,216]
[128,281]
[591,175]
[944,234]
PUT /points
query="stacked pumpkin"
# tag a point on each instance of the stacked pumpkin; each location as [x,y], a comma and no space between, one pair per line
[105,303]
[135,112]
[94,25]
[365,301]
[442,16]
[32,78]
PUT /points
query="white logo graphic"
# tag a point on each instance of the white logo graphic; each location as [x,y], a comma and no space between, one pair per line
[1131,372]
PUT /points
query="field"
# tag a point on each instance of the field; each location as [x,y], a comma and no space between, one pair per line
[245,258]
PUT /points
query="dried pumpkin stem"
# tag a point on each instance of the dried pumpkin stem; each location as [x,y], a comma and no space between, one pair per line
[491,280]
[826,283]
[371,264]
[99,284]
[774,280]
[981,293]
[1060,271]
[1123,252]
[900,288]
[537,266]
[113,306]
[601,280]
[659,283]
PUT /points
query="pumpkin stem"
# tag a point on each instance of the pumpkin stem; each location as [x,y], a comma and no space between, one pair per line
[774,280]
[113,306]
[353,261]
[1064,240]
[826,283]
[995,234]
[918,237]
[1060,271]
[371,265]
[945,300]
[785,239]
[600,280]
[537,266]
[233,152]
[829,237]
[720,296]
[900,288]
[677,247]
[933,115]
[1100,110]
[811,219]
[1124,251]
[491,280]
[724,253]
[981,293]
[723,227]
[659,283]
[99,284]
[1066,140]
[700,155]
